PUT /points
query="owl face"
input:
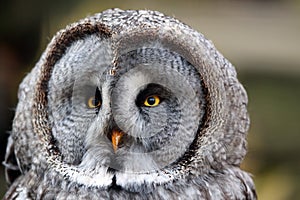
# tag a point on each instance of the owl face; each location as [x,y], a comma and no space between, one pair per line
[139,119]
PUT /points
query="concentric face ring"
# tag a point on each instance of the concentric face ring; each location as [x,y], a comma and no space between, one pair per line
[143,59]
[122,122]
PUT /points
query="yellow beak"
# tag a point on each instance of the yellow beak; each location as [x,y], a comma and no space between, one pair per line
[116,138]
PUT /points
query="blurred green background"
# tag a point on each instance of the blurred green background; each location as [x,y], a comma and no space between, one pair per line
[261,38]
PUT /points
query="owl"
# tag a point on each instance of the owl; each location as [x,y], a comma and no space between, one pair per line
[129,105]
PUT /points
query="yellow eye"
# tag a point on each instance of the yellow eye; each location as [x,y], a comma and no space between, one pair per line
[93,102]
[152,101]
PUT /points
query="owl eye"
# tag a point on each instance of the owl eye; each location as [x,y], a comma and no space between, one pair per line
[93,98]
[94,102]
[152,101]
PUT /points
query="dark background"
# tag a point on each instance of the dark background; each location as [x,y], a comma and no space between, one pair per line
[261,38]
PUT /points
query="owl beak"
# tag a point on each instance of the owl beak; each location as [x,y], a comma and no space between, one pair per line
[116,139]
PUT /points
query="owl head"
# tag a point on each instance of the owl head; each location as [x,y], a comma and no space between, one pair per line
[132,99]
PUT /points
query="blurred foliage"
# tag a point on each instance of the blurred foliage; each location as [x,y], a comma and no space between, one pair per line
[260,37]
[273,155]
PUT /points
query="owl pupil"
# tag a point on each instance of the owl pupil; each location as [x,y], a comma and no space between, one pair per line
[151,100]
[96,102]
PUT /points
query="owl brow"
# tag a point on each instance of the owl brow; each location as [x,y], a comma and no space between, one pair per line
[152,89]
[90,90]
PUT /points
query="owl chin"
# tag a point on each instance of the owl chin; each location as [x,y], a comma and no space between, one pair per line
[105,177]
[116,160]
[118,168]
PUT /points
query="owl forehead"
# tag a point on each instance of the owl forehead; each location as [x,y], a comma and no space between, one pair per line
[91,60]
[85,61]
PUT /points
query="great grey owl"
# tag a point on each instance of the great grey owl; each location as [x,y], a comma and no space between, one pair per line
[129,105]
